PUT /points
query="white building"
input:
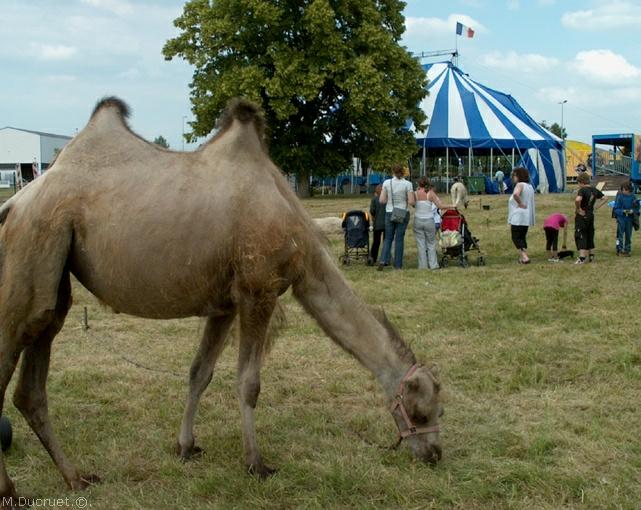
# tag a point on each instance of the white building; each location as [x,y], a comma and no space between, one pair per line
[24,147]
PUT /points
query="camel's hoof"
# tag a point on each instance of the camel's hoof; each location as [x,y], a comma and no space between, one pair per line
[188,453]
[85,481]
[261,471]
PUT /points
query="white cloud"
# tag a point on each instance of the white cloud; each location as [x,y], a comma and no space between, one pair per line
[471,3]
[130,74]
[52,51]
[60,78]
[604,66]
[118,7]
[554,95]
[513,5]
[609,15]
[416,26]
[512,61]
[586,97]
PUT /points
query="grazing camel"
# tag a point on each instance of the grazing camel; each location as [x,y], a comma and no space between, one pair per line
[162,234]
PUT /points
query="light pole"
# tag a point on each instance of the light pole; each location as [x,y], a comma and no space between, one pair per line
[562,103]
[183,138]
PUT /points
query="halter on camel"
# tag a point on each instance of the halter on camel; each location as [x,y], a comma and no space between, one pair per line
[412,430]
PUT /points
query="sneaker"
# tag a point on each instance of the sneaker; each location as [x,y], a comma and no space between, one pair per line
[625,254]
[380,267]
[591,258]
[554,259]
[579,261]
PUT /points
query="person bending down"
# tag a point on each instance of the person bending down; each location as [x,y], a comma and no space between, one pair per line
[552,224]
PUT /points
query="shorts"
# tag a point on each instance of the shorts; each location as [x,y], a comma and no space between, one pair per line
[551,239]
[584,232]
[519,234]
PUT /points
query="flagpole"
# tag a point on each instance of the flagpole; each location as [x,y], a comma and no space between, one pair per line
[456,49]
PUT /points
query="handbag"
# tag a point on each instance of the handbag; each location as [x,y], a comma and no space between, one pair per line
[399,215]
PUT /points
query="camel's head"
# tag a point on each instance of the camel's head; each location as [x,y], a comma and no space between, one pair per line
[417,410]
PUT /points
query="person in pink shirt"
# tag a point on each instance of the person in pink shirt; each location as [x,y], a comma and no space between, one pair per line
[552,224]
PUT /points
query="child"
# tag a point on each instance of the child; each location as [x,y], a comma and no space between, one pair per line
[552,225]
[437,218]
[626,207]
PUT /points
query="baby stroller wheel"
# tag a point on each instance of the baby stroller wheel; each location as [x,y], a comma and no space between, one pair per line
[445,262]
[345,260]
[480,261]
[6,433]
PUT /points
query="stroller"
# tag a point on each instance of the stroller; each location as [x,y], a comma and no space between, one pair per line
[356,231]
[457,240]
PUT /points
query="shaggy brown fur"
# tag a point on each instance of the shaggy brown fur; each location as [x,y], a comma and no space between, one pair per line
[216,233]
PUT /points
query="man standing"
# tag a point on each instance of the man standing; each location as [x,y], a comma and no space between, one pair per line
[459,194]
[498,177]
[584,202]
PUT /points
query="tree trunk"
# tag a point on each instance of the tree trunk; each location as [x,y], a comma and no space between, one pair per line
[302,184]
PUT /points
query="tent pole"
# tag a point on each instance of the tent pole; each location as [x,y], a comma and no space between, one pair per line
[491,162]
[469,162]
[512,157]
[424,168]
[447,169]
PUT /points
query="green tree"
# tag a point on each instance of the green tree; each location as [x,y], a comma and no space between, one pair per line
[330,75]
[160,140]
[556,129]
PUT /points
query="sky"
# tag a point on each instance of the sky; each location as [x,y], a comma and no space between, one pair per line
[58,57]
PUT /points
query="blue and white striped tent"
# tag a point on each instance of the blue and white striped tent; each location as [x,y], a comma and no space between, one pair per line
[463,114]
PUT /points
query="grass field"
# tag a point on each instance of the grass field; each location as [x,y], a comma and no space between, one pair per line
[541,368]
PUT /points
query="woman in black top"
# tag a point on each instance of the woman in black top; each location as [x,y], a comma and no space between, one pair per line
[377,212]
[584,202]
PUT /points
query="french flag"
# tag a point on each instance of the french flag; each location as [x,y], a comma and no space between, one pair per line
[460,28]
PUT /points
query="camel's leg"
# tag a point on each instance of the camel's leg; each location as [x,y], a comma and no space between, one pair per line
[9,354]
[200,374]
[31,395]
[255,313]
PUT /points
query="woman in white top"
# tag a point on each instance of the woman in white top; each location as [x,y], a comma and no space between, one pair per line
[521,211]
[424,225]
[397,193]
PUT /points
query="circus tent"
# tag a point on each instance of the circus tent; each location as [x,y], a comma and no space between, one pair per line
[466,118]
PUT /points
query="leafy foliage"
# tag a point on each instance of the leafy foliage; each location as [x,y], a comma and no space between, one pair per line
[330,75]
[555,129]
[160,140]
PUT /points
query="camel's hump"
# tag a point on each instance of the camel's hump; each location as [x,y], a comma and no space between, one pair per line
[112,102]
[243,109]
[245,112]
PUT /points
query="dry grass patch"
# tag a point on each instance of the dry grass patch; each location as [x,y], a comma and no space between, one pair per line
[540,364]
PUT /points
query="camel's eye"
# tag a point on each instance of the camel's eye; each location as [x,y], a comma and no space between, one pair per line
[420,418]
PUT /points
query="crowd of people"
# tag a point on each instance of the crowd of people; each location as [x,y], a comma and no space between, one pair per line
[390,211]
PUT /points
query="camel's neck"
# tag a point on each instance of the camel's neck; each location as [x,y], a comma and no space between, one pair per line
[346,319]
